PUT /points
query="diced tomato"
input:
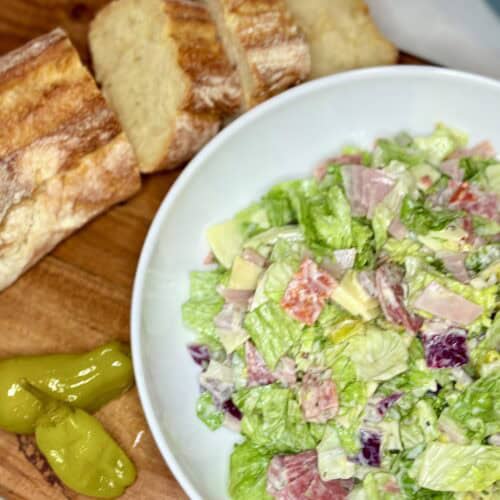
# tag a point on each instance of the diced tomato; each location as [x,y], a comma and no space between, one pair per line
[307,293]
[462,194]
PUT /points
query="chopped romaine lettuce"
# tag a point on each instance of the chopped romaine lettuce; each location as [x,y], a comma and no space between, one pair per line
[419,426]
[333,462]
[378,355]
[207,412]
[441,143]
[203,305]
[273,331]
[248,472]
[421,219]
[455,467]
[272,419]
[477,409]
[483,257]
[273,283]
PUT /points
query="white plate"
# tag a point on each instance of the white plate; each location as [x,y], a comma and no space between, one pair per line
[281,139]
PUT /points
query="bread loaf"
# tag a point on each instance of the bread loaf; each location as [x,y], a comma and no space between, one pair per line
[63,156]
[341,35]
[165,73]
[265,43]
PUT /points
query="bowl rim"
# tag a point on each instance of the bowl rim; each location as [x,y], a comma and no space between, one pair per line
[183,179]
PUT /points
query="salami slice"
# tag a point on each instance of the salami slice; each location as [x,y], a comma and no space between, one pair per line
[388,278]
[296,477]
[307,293]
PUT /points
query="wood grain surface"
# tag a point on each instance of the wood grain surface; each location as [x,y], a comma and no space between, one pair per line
[79,296]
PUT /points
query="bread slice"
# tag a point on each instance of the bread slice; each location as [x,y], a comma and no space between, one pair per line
[63,155]
[341,35]
[263,40]
[165,73]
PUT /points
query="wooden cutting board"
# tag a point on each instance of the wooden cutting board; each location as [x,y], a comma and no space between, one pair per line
[78,297]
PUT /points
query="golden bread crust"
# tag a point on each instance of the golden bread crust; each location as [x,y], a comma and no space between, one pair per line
[63,157]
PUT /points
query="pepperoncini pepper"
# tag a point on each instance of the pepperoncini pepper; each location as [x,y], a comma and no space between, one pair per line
[86,381]
[81,453]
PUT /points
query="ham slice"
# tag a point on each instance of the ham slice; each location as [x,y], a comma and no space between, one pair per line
[391,295]
[365,188]
[445,304]
[454,262]
[296,477]
[318,397]
[452,169]
[321,170]
[482,150]
[230,318]
[251,255]
[257,371]
[240,298]
[397,229]
[307,292]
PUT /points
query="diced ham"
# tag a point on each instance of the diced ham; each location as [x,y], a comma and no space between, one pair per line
[454,262]
[367,280]
[482,150]
[397,229]
[365,188]
[257,371]
[240,298]
[318,397]
[445,304]
[230,318]
[391,295]
[209,259]
[452,169]
[307,292]
[475,201]
[251,255]
[286,371]
[320,171]
[296,477]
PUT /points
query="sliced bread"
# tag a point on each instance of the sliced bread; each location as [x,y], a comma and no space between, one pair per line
[269,49]
[63,155]
[341,35]
[165,73]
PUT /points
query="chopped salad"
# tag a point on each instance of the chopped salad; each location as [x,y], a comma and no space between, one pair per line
[347,329]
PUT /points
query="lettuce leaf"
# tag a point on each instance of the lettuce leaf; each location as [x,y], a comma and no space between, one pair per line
[475,169]
[482,257]
[477,409]
[386,210]
[248,472]
[208,413]
[203,305]
[419,426]
[441,143]
[455,467]
[333,462]
[377,486]
[485,354]
[378,355]
[273,283]
[273,331]
[388,150]
[272,419]
[421,219]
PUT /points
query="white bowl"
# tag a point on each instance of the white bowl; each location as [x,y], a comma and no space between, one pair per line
[281,139]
